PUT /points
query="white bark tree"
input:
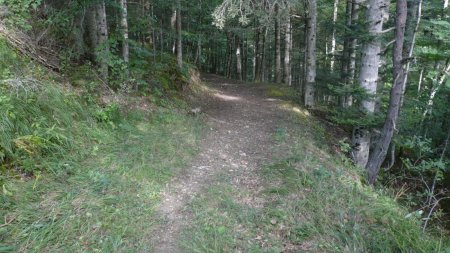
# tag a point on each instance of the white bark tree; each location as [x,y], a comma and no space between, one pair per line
[124,27]
[368,77]
[333,36]
[287,52]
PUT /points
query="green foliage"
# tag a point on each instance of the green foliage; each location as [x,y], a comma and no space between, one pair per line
[109,114]
[19,11]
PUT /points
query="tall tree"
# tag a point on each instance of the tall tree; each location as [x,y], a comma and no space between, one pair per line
[368,77]
[124,28]
[238,58]
[311,54]
[278,69]
[179,36]
[287,52]
[379,152]
[333,36]
[351,63]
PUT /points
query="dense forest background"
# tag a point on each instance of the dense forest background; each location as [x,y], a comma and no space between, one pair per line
[378,70]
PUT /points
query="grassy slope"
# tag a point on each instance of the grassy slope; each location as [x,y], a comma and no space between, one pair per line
[93,173]
[314,201]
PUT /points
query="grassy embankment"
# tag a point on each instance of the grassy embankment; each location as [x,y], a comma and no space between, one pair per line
[77,174]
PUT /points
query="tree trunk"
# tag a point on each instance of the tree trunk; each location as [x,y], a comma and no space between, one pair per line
[91,23]
[411,31]
[179,37]
[311,55]
[254,58]
[287,53]
[368,77]
[345,52]
[238,59]
[262,72]
[278,70]
[333,38]
[124,26]
[244,59]
[198,54]
[379,153]
[351,69]
[102,36]
[257,63]
[439,81]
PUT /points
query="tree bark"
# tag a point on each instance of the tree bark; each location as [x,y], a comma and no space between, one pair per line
[257,62]
[179,37]
[311,55]
[278,70]
[124,26]
[368,77]
[238,59]
[379,153]
[351,68]
[287,52]
[102,37]
[333,36]
[262,71]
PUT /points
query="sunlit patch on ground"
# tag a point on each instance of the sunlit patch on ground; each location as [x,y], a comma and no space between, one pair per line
[226,97]
[296,109]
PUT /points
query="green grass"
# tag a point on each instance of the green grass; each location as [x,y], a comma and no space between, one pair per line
[313,202]
[77,176]
[104,201]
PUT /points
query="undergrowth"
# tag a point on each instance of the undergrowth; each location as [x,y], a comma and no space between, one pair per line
[78,175]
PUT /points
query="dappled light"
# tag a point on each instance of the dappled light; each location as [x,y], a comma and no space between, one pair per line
[226,97]
[296,109]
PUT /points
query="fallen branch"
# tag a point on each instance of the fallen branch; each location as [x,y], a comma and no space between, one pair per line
[26,45]
[7,222]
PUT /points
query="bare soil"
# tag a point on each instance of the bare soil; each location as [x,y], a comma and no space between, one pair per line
[242,122]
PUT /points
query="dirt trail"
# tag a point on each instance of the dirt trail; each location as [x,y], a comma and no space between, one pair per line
[242,123]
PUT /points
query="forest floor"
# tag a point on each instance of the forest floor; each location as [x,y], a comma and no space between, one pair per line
[268,178]
[243,127]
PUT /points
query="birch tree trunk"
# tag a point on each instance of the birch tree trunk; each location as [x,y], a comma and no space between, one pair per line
[287,53]
[333,36]
[311,54]
[179,37]
[439,80]
[368,77]
[124,27]
[379,153]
